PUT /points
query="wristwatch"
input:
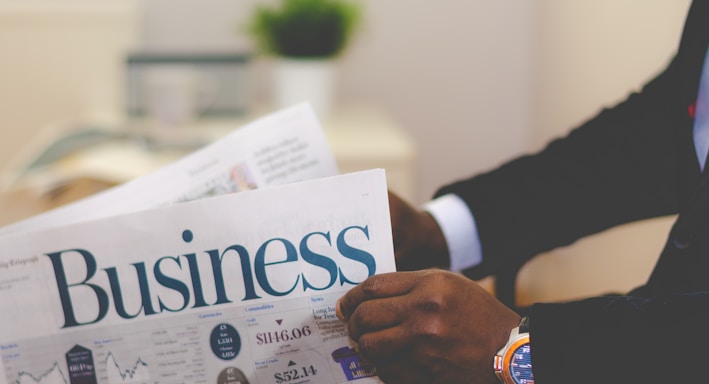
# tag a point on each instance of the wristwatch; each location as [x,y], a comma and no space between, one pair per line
[513,363]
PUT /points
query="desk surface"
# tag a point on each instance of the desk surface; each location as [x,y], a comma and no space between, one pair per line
[360,137]
[353,133]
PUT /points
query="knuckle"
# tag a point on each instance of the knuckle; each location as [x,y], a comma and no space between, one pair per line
[432,304]
[368,345]
[441,277]
[365,316]
[430,330]
[371,287]
[360,315]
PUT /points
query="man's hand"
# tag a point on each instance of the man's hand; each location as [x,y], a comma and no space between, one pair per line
[418,240]
[428,327]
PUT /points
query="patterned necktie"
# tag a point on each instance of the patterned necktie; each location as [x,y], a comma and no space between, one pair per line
[701,116]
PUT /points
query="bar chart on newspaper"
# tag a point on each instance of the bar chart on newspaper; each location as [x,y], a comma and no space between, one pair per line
[232,289]
[161,281]
[284,348]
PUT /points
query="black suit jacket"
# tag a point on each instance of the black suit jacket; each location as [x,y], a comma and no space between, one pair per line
[631,162]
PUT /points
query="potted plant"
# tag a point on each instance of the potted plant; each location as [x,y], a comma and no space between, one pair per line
[305,36]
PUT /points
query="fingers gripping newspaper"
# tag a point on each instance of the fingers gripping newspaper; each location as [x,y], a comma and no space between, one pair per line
[239,288]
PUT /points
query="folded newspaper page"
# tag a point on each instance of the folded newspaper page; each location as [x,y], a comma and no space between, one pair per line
[239,288]
[284,147]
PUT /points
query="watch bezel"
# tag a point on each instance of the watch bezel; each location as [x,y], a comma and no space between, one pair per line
[521,341]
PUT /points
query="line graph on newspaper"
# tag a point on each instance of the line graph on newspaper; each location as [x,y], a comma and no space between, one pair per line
[217,290]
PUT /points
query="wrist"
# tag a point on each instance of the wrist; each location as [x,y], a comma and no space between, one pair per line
[456,223]
[432,236]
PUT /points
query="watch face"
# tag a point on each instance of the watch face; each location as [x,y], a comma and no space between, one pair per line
[520,367]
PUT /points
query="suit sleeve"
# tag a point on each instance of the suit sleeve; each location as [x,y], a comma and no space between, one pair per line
[619,167]
[621,339]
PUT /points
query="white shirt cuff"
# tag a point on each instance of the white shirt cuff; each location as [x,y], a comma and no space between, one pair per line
[459,229]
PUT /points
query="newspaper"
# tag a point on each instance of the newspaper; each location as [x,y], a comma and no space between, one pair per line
[283,147]
[239,288]
[130,287]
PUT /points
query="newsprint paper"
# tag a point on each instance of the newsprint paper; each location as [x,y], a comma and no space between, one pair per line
[237,288]
[280,148]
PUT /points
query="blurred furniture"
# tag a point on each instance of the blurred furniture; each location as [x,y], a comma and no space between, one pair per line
[25,201]
[361,137]
[184,86]
[62,61]
[364,137]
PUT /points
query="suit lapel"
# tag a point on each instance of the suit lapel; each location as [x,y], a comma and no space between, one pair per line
[680,251]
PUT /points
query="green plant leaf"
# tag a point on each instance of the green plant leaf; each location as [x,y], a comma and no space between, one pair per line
[304,28]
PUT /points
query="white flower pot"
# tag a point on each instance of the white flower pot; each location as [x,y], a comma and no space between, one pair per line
[310,80]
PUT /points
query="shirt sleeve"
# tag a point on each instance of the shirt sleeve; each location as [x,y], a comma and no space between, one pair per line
[459,229]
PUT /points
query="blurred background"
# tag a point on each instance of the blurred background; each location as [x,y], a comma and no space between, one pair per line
[466,84]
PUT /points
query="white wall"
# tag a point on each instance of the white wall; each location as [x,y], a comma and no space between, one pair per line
[475,82]
[195,24]
[592,54]
[59,63]
[478,82]
[456,74]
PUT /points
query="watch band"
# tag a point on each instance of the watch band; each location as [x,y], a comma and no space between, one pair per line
[524,325]
[512,363]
